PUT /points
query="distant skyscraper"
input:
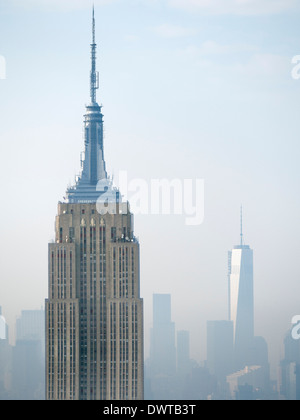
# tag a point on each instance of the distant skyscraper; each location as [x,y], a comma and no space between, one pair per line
[241,301]
[2,326]
[94,313]
[290,369]
[291,349]
[5,360]
[183,352]
[163,350]
[31,325]
[161,366]
[28,373]
[220,348]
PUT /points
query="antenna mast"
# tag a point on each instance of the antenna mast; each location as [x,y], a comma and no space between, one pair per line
[94,73]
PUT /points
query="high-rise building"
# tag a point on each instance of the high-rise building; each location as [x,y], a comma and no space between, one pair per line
[183,353]
[94,313]
[220,348]
[163,350]
[28,367]
[3,326]
[241,301]
[5,360]
[31,325]
[161,367]
[290,369]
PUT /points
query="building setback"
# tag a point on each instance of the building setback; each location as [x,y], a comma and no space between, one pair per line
[94,313]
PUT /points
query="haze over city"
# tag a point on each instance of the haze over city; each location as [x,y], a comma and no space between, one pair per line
[188,92]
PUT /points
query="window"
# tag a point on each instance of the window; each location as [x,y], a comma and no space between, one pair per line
[71,234]
[113,234]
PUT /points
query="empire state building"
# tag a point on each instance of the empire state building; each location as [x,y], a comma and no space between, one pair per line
[94,313]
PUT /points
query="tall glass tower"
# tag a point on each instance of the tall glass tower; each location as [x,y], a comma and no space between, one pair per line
[94,313]
[241,301]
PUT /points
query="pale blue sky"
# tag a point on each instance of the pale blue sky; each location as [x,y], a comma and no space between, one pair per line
[188,92]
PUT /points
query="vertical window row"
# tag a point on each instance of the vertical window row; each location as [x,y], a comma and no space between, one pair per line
[71,275]
[52,275]
[62,352]
[134,354]
[93,315]
[61,274]
[50,358]
[102,372]
[114,273]
[71,235]
[72,339]
[120,272]
[132,273]
[64,256]
[124,350]
[126,272]
[83,313]
[123,265]
[113,352]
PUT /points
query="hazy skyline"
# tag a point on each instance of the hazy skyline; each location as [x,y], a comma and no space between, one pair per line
[188,91]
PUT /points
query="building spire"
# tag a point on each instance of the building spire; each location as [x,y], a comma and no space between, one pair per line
[93,168]
[94,41]
[241,234]
[94,81]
